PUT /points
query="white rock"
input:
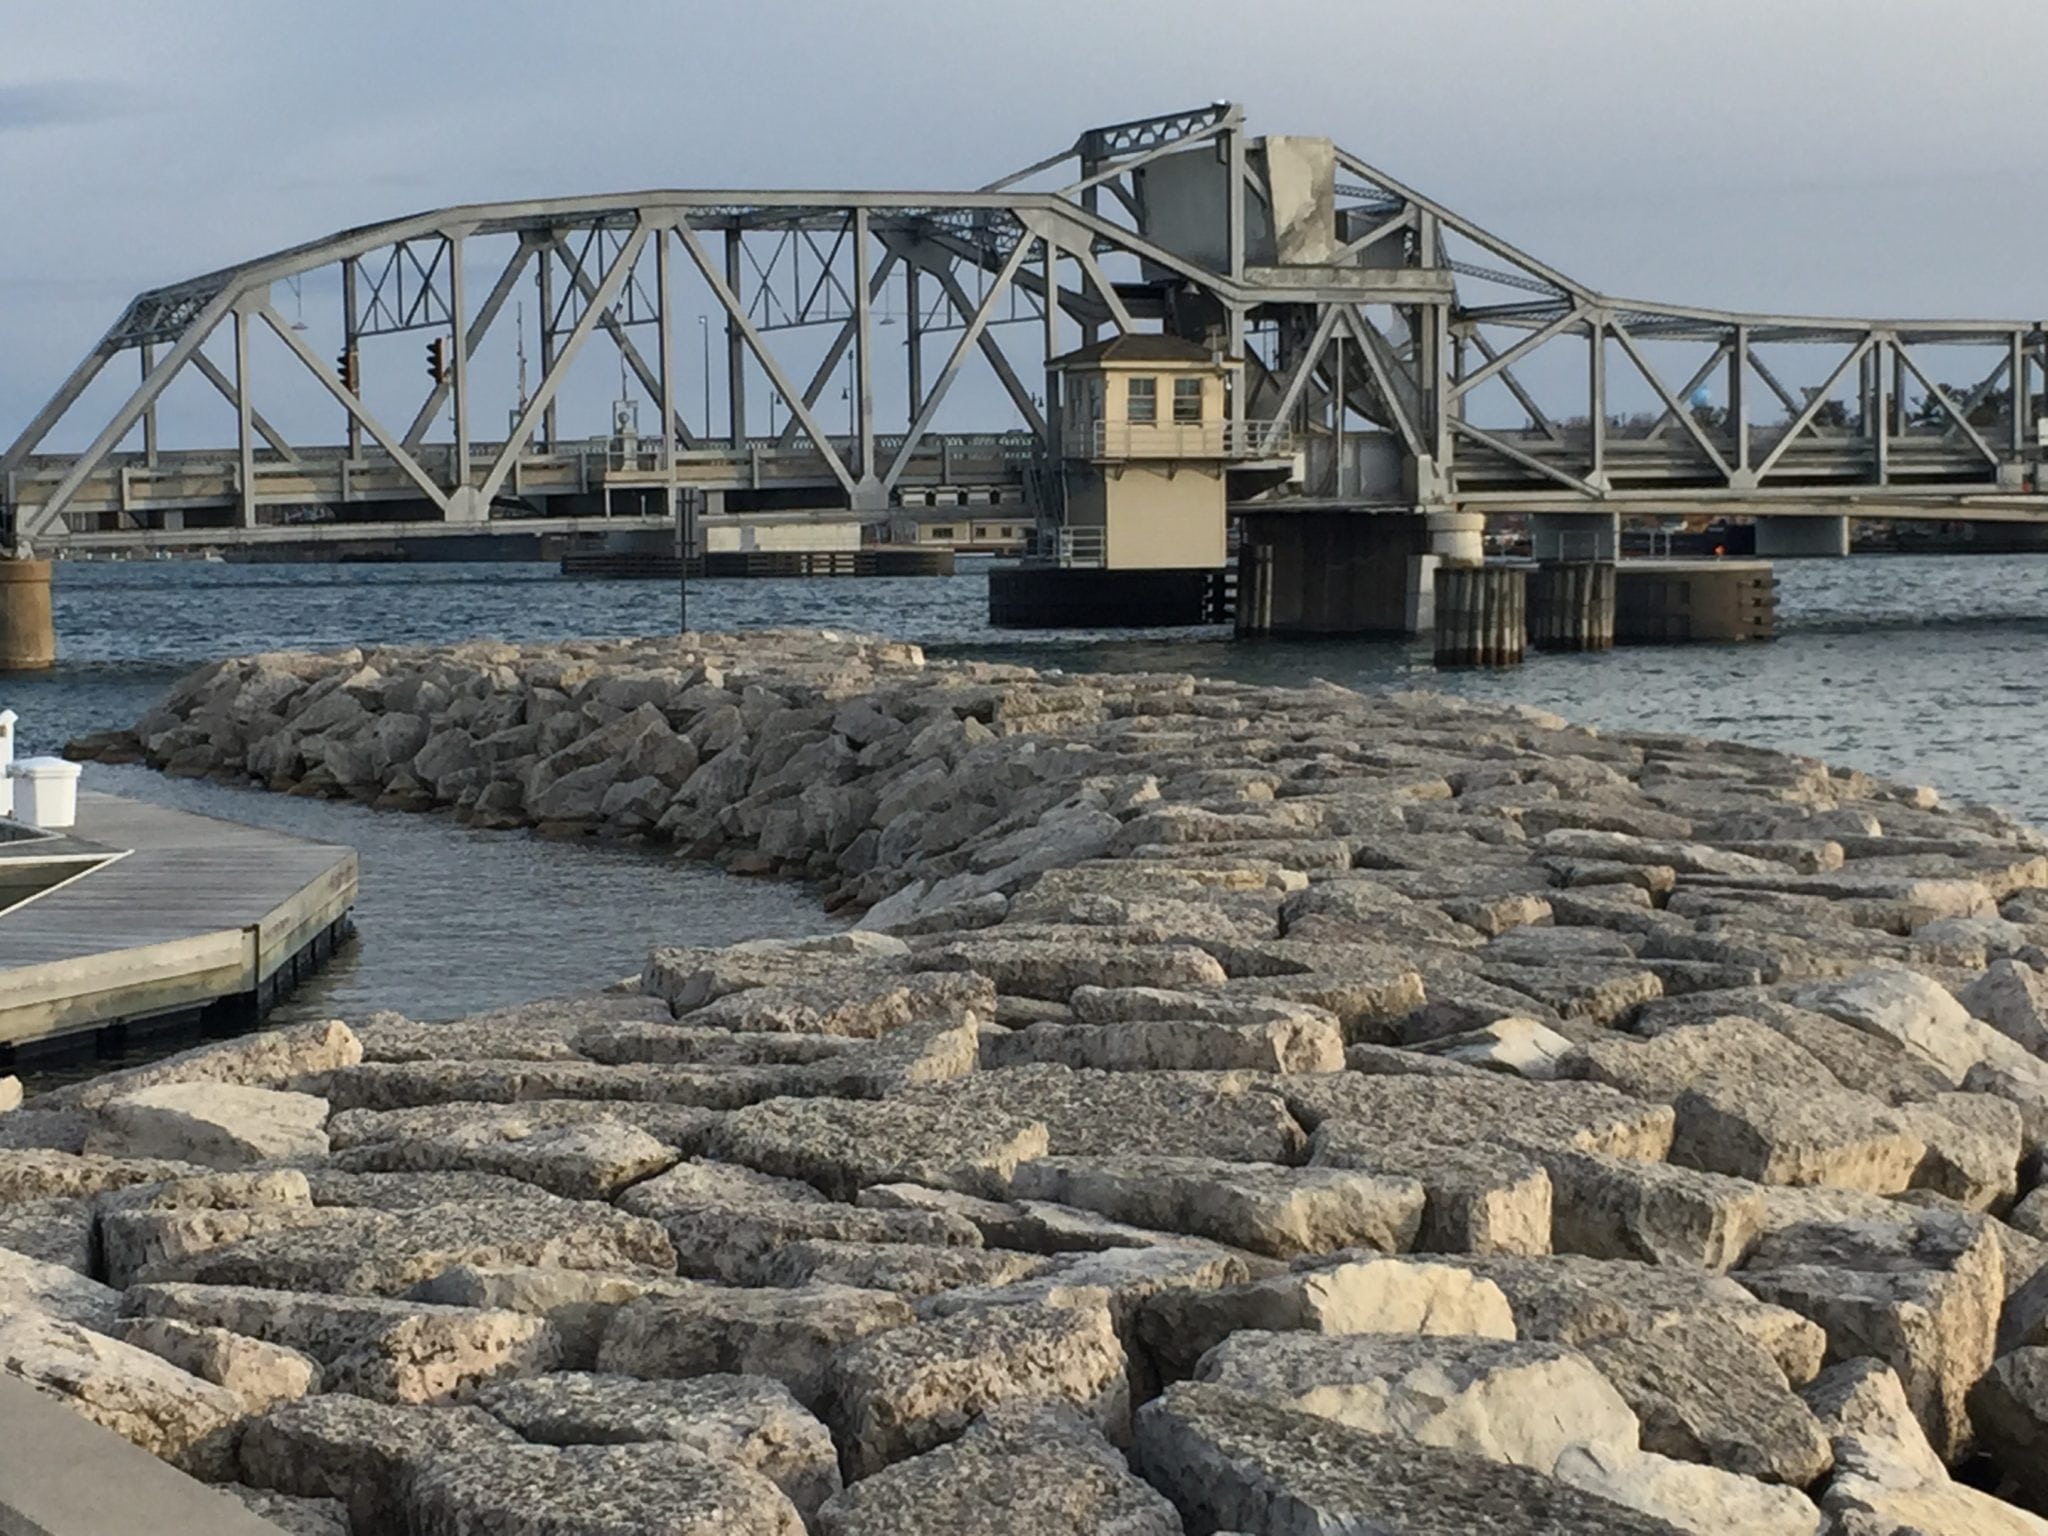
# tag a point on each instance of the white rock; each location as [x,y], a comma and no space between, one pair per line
[1902,1006]
[1696,1498]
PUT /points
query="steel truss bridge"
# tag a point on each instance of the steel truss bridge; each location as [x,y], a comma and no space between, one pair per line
[1423,361]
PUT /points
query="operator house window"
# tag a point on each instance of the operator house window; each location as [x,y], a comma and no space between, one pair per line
[1187,401]
[1144,400]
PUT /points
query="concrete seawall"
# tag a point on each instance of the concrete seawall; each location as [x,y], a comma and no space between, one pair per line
[1237,1109]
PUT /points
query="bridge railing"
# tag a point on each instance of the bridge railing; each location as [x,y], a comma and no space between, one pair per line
[1191,440]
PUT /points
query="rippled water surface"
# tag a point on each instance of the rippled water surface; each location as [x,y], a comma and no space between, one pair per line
[1932,669]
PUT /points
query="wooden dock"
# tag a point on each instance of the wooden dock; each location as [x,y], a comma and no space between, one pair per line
[143,912]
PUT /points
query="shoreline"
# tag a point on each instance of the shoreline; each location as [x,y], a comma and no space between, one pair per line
[1214,1074]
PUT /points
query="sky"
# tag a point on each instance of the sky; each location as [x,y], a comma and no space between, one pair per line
[1839,156]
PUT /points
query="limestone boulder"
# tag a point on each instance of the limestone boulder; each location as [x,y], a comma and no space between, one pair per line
[576,1303]
[790,1336]
[593,1161]
[360,1453]
[1391,1296]
[363,1252]
[261,1375]
[1705,1392]
[1500,1400]
[57,1231]
[188,1422]
[2009,1410]
[1924,1297]
[541,1490]
[2012,998]
[1238,1116]
[1485,1107]
[745,1421]
[293,1516]
[1030,969]
[1572,1300]
[217,1125]
[393,1351]
[63,1293]
[1903,1006]
[729,1223]
[270,1058]
[1166,1045]
[1622,1208]
[1264,1208]
[1041,1467]
[1229,1462]
[1705,1501]
[841,1146]
[905,1391]
[1477,1197]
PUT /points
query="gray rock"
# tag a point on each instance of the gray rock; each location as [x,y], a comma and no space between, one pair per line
[2009,1410]
[1521,1403]
[905,1391]
[361,1453]
[1228,1461]
[1703,1500]
[1477,1198]
[541,1490]
[1925,1297]
[1392,1296]
[55,1231]
[218,1125]
[1705,1392]
[393,1351]
[745,1421]
[840,1146]
[381,1253]
[1264,1208]
[188,1422]
[261,1375]
[729,1223]
[28,1284]
[789,1335]
[1021,1466]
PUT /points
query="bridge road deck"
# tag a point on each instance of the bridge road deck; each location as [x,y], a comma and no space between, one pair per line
[157,912]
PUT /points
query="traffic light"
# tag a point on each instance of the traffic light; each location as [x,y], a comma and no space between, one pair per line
[437,359]
[349,367]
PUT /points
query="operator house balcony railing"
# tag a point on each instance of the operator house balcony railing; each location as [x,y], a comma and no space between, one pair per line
[1191,440]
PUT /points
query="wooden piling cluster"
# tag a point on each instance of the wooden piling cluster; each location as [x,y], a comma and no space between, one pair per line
[1571,606]
[1481,615]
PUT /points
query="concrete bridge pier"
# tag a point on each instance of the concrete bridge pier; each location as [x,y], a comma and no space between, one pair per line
[1347,573]
[28,633]
[1571,605]
[1796,538]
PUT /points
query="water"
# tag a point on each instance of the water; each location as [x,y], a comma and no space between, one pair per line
[1926,668]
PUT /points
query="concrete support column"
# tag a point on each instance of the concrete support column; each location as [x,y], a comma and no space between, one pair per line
[1572,605]
[1575,535]
[1335,573]
[1481,615]
[1802,537]
[28,634]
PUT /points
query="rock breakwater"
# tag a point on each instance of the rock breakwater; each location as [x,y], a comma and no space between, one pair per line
[1236,1109]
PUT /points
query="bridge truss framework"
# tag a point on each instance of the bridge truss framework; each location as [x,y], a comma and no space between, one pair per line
[1377,314]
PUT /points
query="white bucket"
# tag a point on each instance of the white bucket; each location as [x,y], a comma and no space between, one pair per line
[46,792]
